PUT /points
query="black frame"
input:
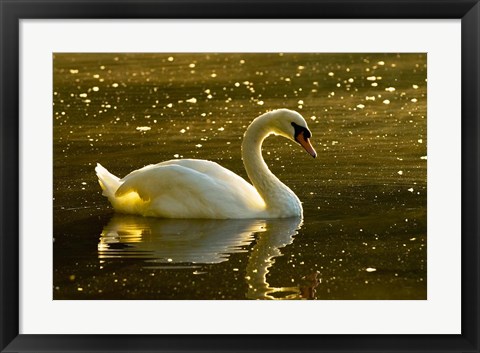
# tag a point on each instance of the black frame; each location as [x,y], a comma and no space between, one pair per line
[11,11]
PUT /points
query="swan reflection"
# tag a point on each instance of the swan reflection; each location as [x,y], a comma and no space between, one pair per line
[167,242]
[278,234]
[176,241]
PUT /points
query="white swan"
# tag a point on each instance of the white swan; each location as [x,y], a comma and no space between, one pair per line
[193,188]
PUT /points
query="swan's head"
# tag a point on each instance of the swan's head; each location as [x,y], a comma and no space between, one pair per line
[292,125]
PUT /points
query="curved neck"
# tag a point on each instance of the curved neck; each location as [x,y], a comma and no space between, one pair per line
[278,197]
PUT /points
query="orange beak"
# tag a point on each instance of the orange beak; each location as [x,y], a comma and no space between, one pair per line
[305,143]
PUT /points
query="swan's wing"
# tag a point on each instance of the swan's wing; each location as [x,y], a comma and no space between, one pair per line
[154,180]
[178,191]
[209,168]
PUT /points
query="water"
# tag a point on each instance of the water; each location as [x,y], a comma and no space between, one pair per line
[364,230]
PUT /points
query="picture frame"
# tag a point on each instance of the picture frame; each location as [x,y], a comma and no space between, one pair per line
[13,11]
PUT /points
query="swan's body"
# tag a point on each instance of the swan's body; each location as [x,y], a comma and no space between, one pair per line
[193,188]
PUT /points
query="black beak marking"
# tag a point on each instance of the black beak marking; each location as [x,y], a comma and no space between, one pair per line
[299,129]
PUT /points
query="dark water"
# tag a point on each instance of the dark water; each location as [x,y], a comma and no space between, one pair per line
[364,231]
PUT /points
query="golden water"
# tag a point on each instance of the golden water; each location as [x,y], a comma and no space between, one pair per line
[364,231]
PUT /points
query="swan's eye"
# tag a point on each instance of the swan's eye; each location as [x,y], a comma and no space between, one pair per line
[299,129]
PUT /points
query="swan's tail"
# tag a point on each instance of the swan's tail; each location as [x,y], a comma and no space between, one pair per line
[109,182]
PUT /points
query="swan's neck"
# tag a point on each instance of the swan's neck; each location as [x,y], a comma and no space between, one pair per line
[279,199]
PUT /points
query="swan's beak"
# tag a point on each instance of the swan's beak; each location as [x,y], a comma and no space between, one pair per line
[305,143]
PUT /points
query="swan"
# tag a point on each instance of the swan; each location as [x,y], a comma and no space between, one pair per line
[194,188]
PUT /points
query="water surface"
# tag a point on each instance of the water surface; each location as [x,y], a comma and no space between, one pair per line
[364,231]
